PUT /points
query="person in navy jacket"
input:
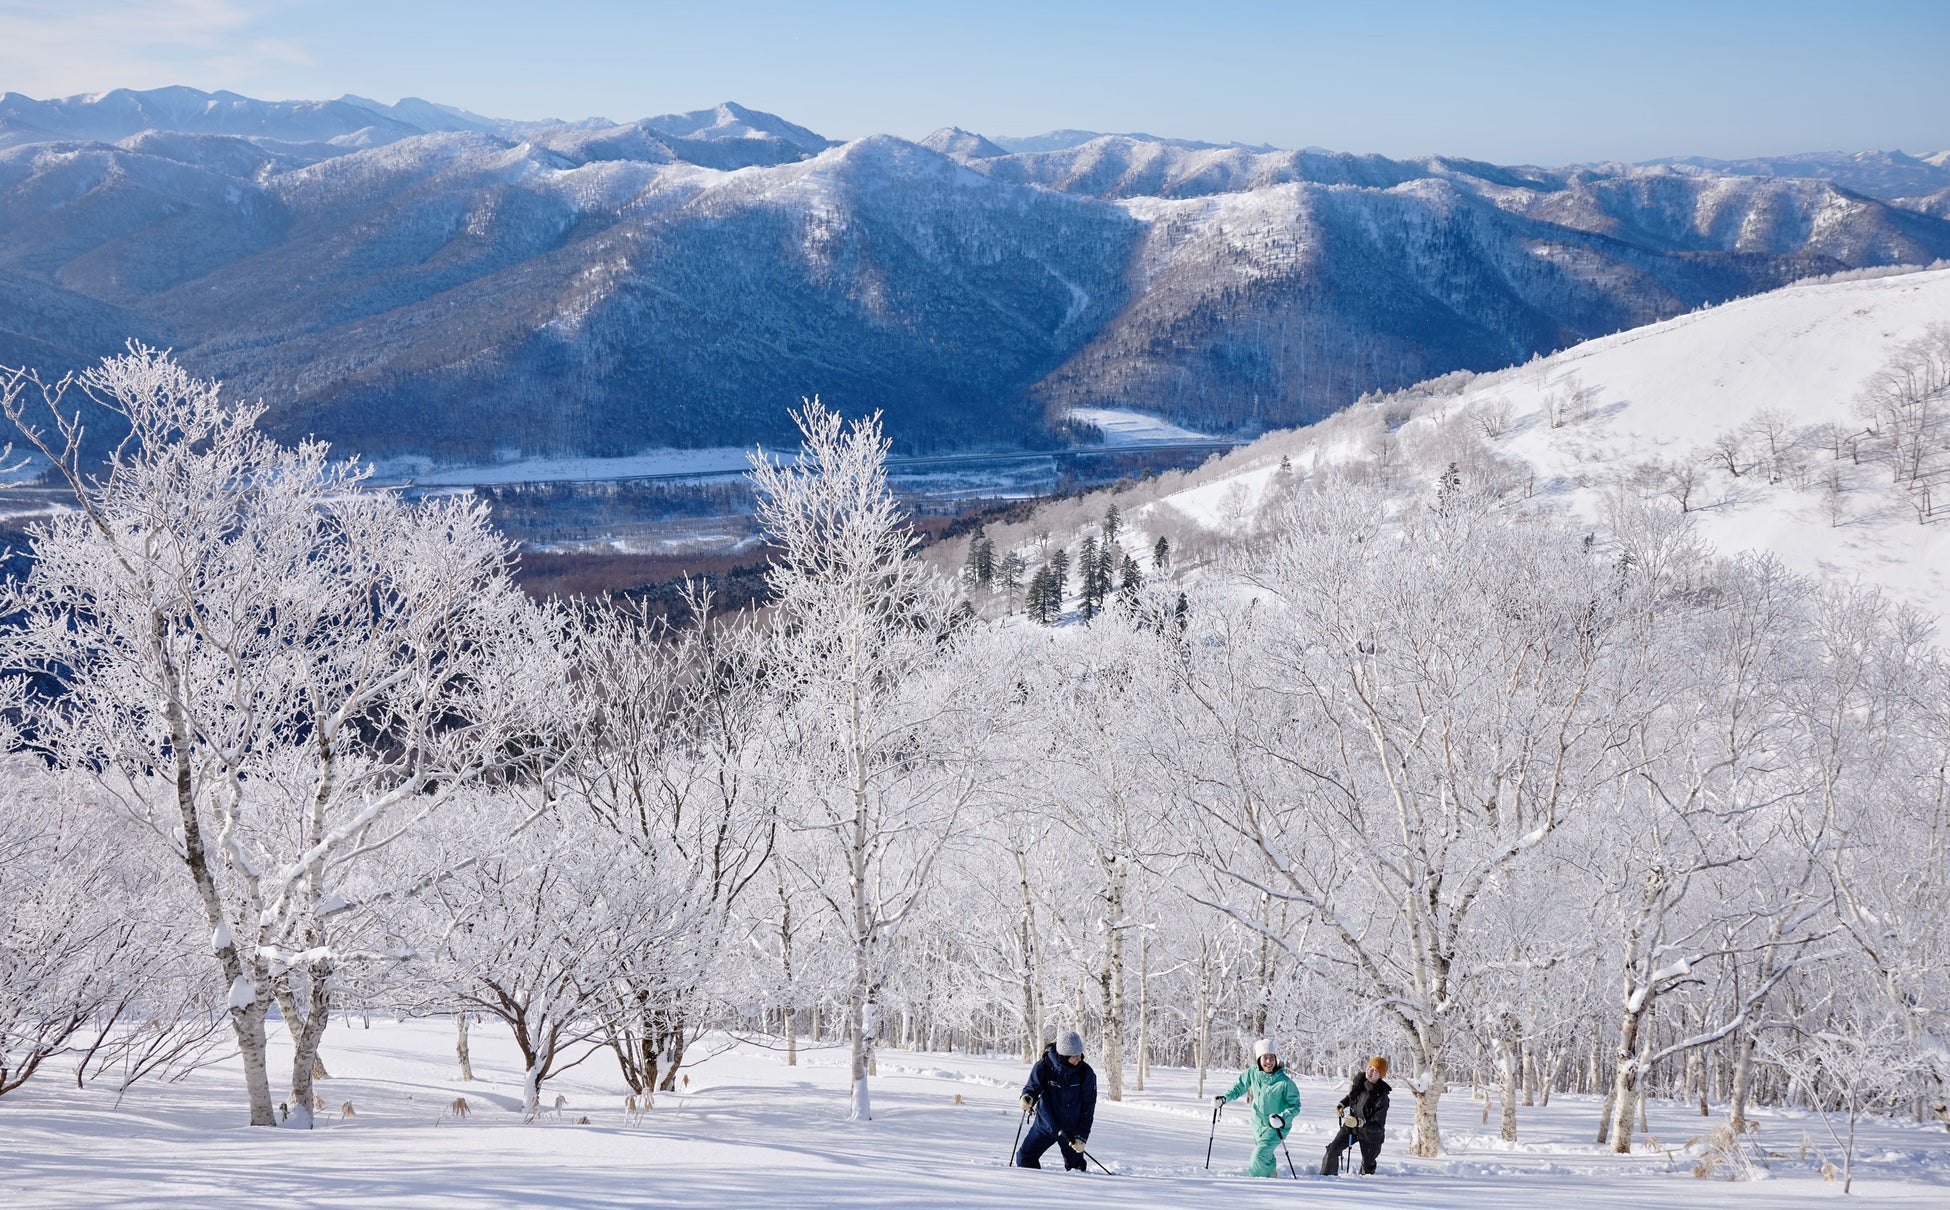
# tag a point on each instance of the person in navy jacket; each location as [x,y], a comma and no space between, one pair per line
[1062,1093]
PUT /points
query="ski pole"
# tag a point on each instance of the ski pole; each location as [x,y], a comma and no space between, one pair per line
[1020,1123]
[1216,1107]
[1093,1159]
[1280,1130]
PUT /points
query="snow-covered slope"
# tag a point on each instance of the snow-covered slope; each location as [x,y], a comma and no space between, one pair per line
[746,1130]
[1644,415]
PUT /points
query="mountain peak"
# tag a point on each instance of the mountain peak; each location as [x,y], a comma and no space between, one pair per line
[730,120]
[962,144]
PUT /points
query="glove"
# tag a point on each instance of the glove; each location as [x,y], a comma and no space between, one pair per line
[1276,1122]
[1219,1100]
[1076,1145]
[1350,1121]
[1029,1104]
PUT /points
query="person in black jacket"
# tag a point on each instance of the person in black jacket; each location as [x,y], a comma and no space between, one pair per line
[1364,1119]
[1062,1092]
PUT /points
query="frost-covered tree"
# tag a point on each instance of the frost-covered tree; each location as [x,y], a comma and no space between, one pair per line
[671,740]
[1688,829]
[1090,696]
[1847,1064]
[1907,403]
[533,912]
[275,673]
[86,933]
[1881,731]
[1387,736]
[861,630]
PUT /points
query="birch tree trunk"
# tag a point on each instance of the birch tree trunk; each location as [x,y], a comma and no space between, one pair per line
[1032,1003]
[1429,1087]
[1114,983]
[249,998]
[860,985]
[1625,1084]
[791,1030]
[1144,1010]
[1549,1078]
[1204,1042]
[1743,1067]
[1507,1062]
[248,1024]
[531,1085]
[1743,1040]
[1265,981]
[460,1048]
[308,1034]
[1032,1029]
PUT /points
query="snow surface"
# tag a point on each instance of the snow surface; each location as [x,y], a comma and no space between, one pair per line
[751,1131]
[1664,392]
[1121,427]
[729,460]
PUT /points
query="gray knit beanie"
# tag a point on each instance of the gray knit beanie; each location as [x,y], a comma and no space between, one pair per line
[1069,1043]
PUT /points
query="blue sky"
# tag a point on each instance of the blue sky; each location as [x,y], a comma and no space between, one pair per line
[1511,81]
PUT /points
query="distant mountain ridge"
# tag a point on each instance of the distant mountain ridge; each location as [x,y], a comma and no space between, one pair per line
[1888,175]
[1063,140]
[414,278]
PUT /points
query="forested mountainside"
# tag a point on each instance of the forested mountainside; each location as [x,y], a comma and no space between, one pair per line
[418,279]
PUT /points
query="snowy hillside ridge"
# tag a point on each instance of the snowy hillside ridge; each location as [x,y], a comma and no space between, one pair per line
[1748,418]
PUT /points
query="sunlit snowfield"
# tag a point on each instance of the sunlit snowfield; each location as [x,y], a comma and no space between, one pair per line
[751,1131]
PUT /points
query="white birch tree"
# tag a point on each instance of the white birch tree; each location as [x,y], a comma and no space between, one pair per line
[861,632]
[273,671]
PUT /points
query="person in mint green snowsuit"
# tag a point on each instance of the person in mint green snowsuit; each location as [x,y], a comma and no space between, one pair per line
[1274,1100]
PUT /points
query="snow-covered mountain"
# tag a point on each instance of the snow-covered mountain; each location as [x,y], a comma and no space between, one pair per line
[961,144]
[1880,174]
[414,278]
[349,122]
[1740,425]
[1059,140]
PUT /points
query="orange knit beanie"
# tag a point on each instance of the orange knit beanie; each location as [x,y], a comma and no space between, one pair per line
[1380,1064]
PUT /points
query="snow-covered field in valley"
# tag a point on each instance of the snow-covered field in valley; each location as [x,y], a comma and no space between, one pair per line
[751,1131]
[1121,427]
[719,460]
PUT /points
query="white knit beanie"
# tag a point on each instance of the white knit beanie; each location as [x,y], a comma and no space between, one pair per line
[1263,1047]
[1069,1043]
